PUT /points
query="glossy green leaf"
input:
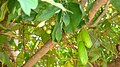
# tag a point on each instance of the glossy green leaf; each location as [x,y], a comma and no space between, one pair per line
[66,19]
[79,37]
[82,22]
[54,32]
[75,17]
[82,53]
[59,5]
[58,34]
[3,39]
[58,20]
[86,38]
[47,13]
[11,4]
[3,11]
[27,5]
[20,45]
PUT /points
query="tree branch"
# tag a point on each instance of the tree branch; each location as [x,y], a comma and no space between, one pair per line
[95,8]
[104,12]
[40,54]
[83,2]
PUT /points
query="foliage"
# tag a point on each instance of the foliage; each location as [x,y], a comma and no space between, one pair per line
[26,25]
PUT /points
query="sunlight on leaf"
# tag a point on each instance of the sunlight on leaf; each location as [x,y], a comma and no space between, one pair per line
[55,4]
[3,11]
[27,5]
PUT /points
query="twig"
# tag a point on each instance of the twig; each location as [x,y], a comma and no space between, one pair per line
[108,49]
[104,12]
[32,25]
[90,64]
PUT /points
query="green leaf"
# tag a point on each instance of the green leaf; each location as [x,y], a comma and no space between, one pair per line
[75,17]
[3,39]
[82,22]
[104,64]
[42,33]
[20,59]
[2,57]
[94,56]
[26,56]
[56,26]
[11,16]
[86,38]
[55,4]
[79,38]
[83,13]
[66,19]
[116,4]
[20,46]
[12,42]
[53,33]
[27,5]
[29,18]
[47,13]
[58,34]
[3,10]
[7,60]
[11,4]
[82,53]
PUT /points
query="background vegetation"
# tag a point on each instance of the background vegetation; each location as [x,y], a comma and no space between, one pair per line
[49,33]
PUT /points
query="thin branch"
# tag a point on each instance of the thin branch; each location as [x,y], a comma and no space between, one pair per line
[104,12]
[90,64]
[32,25]
[83,2]
[115,15]
[95,8]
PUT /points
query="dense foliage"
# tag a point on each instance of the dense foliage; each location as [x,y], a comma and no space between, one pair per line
[27,25]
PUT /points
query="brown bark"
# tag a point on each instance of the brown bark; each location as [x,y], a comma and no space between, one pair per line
[115,63]
[39,54]
[104,12]
[95,8]
[83,2]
